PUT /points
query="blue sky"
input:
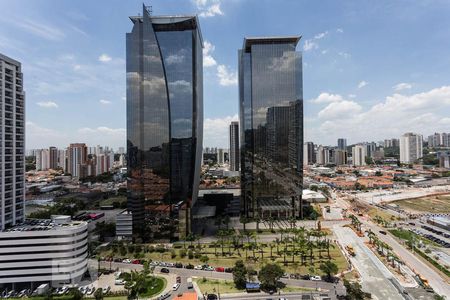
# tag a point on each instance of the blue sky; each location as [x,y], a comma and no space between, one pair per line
[372,69]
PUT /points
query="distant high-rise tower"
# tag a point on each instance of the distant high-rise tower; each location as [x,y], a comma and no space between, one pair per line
[359,153]
[234,146]
[164,122]
[309,154]
[271,121]
[76,159]
[342,144]
[411,147]
[53,158]
[12,143]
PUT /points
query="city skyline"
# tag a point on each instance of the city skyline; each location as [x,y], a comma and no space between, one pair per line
[352,90]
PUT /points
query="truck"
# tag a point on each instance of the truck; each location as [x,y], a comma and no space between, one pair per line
[350,250]
[189,283]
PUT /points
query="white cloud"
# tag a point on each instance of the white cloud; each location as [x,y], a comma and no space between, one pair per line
[104,58]
[216,130]
[320,35]
[362,84]
[352,96]
[344,54]
[226,77]
[38,29]
[327,98]
[76,67]
[402,86]
[208,8]
[423,113]
[324,51]
[341,109]
[309,45]
[105,102]
[340,30]
[47,104]
[208,60]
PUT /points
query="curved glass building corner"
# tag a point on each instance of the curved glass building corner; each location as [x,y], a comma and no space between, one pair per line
[164,123]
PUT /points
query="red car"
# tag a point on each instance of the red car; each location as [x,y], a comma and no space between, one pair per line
[136,262]
[220,269]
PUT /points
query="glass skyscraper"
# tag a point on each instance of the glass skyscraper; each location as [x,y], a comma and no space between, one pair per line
[271,119]
[164,123]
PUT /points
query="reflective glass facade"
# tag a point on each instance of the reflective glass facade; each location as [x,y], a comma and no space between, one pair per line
[271,118]
[164,123]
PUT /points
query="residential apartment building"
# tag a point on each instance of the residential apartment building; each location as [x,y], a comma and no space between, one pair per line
[359,154]
[342,144]
[234,147]
[12,143]
[411,148]
[309,154]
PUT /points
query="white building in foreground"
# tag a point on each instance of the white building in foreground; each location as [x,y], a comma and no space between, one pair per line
[39,251]
[411,147]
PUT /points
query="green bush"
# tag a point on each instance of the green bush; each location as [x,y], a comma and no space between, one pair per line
[182,253]
[190,254]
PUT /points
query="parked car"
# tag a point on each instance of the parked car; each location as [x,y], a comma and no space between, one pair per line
[175,286]
[199,267]
[315,277]
[220,269]
[136,262]
[189,266]
[178,265]
[178,279]
[165,270]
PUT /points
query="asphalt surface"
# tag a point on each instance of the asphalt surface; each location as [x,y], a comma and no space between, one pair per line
[375,276]
[439,285]
[325,287]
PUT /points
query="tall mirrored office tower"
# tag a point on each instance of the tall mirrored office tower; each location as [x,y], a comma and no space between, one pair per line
[164,123]
[271,119]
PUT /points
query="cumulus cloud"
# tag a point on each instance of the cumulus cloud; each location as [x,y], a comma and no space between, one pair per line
[104,58]
[402,86]
[340,109]
[327,98]
[423,113]
[215,129]
[105,102]
[208,8]
[320,35]
[226,77]
[208,60]
[47,104]
[362,84]
[340,30]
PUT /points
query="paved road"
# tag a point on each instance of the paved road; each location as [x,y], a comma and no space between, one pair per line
[375,276]
[440,285]
[326,287]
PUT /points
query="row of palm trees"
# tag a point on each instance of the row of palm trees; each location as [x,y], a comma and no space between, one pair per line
[292,243]
[384,249]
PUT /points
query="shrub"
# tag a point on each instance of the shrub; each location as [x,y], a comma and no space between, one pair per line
[182,253]
[190,254]
[173,254]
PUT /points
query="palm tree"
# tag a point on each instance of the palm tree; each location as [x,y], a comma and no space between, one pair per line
[277,241]
[371,236]
[222,234]
[271,246]
[244,220]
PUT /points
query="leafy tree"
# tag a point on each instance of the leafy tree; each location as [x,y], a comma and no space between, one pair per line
[239,274]
[76,294]
[354,290]
[269,275]
[329,268]
[204,259]
[98,294]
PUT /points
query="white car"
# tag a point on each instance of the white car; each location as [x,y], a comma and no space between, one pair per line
[126,261]
[106,289]
[315,278]
[119,282]
[175,286]
[199,267]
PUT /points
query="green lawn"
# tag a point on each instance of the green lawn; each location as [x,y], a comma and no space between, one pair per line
[407,235]
[293,265]
[154,286]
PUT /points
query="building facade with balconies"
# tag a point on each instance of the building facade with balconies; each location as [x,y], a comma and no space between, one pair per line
[12,143]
